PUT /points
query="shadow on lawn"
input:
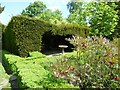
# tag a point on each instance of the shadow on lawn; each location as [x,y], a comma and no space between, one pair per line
[12,79]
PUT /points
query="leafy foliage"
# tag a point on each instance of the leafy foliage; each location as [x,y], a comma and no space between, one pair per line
[49,15]
[101,17]
[51,82]
[117,33]
[40,11]
[34,9]
[78,13]
[104,20]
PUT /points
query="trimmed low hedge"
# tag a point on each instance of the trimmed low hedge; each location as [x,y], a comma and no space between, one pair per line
[9,60]
[24,34]
[32,73]
[37,54]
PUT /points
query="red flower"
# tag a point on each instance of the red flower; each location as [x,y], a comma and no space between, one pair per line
[111,63]
[116,78]
[63,72]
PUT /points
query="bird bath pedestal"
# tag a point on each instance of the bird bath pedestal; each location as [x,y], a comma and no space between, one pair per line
[63,46]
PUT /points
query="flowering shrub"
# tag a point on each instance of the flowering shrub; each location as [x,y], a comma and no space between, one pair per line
[95,65]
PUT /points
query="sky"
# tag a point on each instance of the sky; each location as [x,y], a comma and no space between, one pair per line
[15,7]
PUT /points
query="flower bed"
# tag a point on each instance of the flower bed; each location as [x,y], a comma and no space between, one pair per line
[95,64]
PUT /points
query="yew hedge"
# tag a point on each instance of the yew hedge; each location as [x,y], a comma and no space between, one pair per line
[24,34]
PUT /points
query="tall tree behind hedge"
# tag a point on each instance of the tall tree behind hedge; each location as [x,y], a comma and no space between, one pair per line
[39,10]
[117,29]
[50,15]
[103,18]
[77,12]
[99,15]
[34,9]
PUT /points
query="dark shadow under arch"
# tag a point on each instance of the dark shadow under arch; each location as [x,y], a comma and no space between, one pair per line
[51,42]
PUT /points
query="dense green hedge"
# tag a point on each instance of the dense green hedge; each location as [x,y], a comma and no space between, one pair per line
[2,30]
[32,73]
[36,54]
[23,34]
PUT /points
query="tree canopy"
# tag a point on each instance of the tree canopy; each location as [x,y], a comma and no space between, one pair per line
[34,9]
[39,10]
[51,15]
[101,17]
[77,13]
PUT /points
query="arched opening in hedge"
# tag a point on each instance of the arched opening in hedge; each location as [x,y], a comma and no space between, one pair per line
[51,42]
[24,35]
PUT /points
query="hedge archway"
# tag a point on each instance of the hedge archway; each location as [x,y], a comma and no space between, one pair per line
[50,43]
[24,34]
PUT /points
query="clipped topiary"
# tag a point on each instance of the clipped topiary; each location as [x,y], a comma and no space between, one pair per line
[24,34]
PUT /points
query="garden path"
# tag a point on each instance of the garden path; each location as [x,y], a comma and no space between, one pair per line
[4,83]
[53,52]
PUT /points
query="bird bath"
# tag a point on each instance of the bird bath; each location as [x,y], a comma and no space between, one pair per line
[63,47]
